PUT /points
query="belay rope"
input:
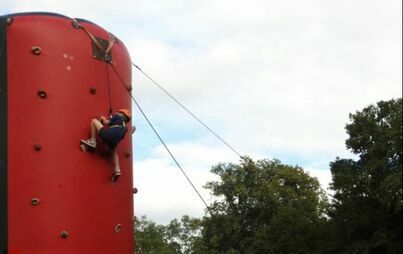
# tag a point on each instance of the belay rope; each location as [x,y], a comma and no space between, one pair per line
[112,40]
[109,90]
[108,61]
[111,43]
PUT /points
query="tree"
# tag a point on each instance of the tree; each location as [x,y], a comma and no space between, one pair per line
[263,207]
[366,214]
[150,238]
[178,237]
[184,233]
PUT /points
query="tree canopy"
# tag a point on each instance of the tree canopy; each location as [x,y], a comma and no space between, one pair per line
[269,207]
[263,207]
[366,213]
[178,237]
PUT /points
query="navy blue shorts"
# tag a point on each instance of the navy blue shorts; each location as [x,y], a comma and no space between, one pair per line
[111,136]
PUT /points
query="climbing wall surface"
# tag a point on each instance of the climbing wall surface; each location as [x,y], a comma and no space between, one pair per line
[54,198]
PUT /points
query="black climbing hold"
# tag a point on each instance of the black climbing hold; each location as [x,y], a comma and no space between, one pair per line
[38,147]
[42,94]
[93,90]
[35,201]
[64,234]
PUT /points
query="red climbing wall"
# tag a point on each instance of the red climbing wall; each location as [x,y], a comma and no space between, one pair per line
[44,160]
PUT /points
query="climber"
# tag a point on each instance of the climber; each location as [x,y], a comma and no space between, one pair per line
[110,135]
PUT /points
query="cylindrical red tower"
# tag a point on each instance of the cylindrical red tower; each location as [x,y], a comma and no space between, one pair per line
[54,79]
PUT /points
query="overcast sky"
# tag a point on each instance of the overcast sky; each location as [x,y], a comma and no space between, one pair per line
[276,79]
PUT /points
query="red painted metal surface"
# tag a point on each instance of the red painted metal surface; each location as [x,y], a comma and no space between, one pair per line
[74,188]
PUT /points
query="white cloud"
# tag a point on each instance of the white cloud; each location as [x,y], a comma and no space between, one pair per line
[164,193]
[292,89]
[324,177]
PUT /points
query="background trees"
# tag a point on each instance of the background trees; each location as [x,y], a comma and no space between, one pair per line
[151,238]
[263,207]
[178,237]
[269,207]
[366,213]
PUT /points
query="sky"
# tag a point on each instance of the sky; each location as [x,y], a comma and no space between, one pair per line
[275,79]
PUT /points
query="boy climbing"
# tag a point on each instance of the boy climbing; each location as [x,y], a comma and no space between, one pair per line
[111,135]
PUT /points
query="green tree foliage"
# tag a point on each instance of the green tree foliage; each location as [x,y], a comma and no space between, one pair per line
[263,207]
[268,207]
[151,238]
[178,237]
[366,214]
[184,233]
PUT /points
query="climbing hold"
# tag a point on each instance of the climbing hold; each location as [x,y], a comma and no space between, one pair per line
[118,228]
[93,90]
[127,154]
[135,190]
[42,94]
[36,50]
[129,88]
[133,129]
[38,147]
[9,21]
[64,234]
[35,201]
[85,148]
